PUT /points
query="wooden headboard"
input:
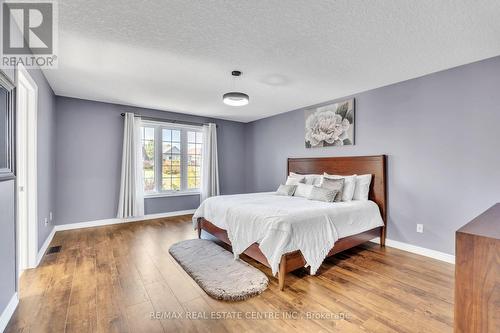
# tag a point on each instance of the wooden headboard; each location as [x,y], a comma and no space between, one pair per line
[374,165]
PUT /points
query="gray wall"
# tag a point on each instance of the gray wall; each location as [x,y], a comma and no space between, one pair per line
[440,133]
[46,177]
[89,147]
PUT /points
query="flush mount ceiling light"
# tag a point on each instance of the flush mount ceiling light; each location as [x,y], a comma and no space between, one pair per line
[235,98]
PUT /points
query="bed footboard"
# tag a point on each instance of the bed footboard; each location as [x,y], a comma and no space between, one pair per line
[293,260]
[198,229]
[282,273]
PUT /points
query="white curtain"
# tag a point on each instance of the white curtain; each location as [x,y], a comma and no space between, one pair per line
[131,202]
[210,165]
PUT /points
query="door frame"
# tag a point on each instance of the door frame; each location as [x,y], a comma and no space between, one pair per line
[31,243]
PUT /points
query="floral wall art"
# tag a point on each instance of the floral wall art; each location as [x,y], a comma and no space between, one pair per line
[330,125]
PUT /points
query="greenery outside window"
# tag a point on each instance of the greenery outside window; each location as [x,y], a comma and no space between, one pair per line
[172,156]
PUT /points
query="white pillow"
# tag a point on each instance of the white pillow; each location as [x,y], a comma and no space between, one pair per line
[295,180]
[310,179]
[303,190]
[362,187]
[349,185]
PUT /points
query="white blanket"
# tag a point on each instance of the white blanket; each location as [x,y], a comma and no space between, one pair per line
[281,224]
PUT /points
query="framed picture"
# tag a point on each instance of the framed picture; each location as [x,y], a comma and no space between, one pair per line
[330,125]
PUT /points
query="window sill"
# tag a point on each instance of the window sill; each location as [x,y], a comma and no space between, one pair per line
[171,194]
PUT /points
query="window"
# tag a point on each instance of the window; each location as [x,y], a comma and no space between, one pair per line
[171,157]
[195,143]
[148,157]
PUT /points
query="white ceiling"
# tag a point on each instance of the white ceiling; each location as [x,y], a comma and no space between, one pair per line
[178,55]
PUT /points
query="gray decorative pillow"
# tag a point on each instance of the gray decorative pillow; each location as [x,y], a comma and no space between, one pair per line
[313,180]
[288,190]
[322,194]
[334,185]
[295,180]
[310,179]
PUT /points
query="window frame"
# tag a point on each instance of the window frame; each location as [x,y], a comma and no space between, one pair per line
[158,158]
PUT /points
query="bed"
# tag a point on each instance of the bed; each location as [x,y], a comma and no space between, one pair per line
[286,233]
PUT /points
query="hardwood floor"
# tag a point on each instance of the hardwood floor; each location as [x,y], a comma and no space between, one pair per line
[110,279]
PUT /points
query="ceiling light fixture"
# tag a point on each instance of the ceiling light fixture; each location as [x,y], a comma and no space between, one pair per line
[235,98]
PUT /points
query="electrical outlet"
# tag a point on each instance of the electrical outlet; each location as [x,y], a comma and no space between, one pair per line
[50,216]
[46,221]
[420,228]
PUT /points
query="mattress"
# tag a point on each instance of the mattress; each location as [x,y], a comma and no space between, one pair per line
[282,224]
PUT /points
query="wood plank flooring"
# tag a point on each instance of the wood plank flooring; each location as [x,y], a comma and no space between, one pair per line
[111,279]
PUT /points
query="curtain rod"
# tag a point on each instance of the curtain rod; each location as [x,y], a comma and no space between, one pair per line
[169,120]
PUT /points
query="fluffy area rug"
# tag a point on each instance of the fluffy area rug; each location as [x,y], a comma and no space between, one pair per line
[216,271]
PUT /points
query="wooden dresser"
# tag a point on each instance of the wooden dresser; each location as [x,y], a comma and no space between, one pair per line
[477,274]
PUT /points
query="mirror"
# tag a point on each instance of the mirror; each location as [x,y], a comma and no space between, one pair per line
[6,127]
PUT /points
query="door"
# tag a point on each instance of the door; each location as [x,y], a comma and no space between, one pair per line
[27,227]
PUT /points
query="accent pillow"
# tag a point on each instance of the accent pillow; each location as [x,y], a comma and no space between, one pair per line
[349,185]
[310,179]
[303,190]
[295,180]
[362,187]
[287,190]
[322,194]
[334,185]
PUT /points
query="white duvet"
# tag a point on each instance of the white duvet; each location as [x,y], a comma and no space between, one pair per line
[282,224]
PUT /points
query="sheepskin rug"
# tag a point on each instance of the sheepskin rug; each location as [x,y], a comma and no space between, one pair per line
[217,272]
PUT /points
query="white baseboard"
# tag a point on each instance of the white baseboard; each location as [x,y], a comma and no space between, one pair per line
[417,250]
[8,312]
[98,223]
[70,226]
[45,246]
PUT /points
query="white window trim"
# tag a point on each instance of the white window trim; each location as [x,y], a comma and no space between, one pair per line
[159,193]
[174,194]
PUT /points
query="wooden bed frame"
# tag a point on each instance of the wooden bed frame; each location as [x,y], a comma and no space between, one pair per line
[374,165]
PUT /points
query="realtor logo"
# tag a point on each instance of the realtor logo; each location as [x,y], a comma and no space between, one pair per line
[29,34]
